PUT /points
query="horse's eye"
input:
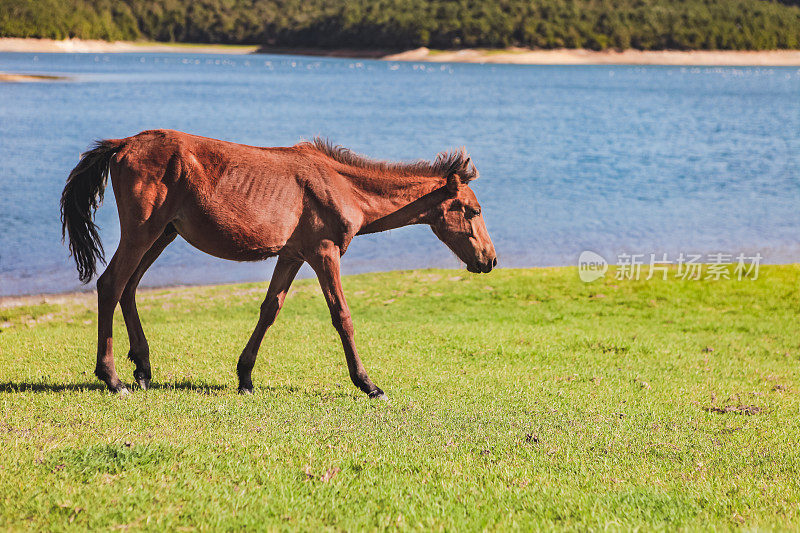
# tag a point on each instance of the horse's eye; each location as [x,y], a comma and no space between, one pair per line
[470,212]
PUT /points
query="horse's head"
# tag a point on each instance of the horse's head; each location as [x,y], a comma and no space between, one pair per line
[458,221]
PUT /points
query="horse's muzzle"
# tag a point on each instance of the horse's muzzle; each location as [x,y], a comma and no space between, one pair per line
[485,268]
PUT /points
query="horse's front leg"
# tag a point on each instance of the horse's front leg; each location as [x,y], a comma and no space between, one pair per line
[282,277]
[326,266]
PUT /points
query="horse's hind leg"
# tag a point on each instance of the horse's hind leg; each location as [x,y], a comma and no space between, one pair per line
[139,351]
[109,290]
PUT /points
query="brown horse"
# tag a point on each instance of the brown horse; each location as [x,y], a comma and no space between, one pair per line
[302,203]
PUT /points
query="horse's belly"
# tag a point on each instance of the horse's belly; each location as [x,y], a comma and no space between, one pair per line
[238,234]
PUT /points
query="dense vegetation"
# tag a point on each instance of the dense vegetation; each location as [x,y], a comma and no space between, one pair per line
[520,400]
[401,24]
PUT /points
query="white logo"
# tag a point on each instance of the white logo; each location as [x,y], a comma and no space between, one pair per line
[591,266]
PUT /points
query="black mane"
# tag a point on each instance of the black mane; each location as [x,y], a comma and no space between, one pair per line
[445,164]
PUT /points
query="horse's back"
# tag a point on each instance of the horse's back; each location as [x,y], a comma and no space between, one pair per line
[230,200]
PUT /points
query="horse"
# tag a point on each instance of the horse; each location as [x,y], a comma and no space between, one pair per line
[303,204]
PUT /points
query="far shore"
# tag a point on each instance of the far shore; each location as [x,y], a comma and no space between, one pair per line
[517,56]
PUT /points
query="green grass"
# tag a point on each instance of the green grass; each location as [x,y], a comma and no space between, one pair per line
[523,399]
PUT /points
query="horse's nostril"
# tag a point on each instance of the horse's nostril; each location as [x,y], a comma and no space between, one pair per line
[494,262]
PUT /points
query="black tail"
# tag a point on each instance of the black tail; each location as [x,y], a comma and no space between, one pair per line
[81,197]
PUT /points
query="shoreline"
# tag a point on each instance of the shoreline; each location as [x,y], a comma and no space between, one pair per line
[514,56]
[89,296]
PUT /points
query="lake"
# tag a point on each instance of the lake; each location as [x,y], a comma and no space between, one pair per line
[623,159]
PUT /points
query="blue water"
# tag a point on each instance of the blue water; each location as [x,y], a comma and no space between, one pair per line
[611,159]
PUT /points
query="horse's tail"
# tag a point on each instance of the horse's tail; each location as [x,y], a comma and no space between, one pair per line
[80,199]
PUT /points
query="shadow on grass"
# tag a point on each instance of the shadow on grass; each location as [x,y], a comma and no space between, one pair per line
[11,387]
[324,393]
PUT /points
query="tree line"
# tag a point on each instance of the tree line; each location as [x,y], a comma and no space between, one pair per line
[403,24]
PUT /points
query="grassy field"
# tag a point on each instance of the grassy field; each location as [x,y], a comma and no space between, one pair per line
[522,399]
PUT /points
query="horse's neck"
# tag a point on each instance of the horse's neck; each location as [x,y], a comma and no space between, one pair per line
[391,201]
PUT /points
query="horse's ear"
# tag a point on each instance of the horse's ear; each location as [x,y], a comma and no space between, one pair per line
[453,183]
[460,169]
[468,171]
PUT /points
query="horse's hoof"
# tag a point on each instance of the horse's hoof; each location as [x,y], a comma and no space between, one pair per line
[123,391]
[245,392]
[144,383]
[378,395]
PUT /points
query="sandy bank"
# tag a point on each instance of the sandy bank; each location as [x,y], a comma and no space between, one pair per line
[522,56]
[8,44]
[12,78]
[518,56]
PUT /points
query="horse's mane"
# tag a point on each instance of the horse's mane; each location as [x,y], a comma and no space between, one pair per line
[445,164]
